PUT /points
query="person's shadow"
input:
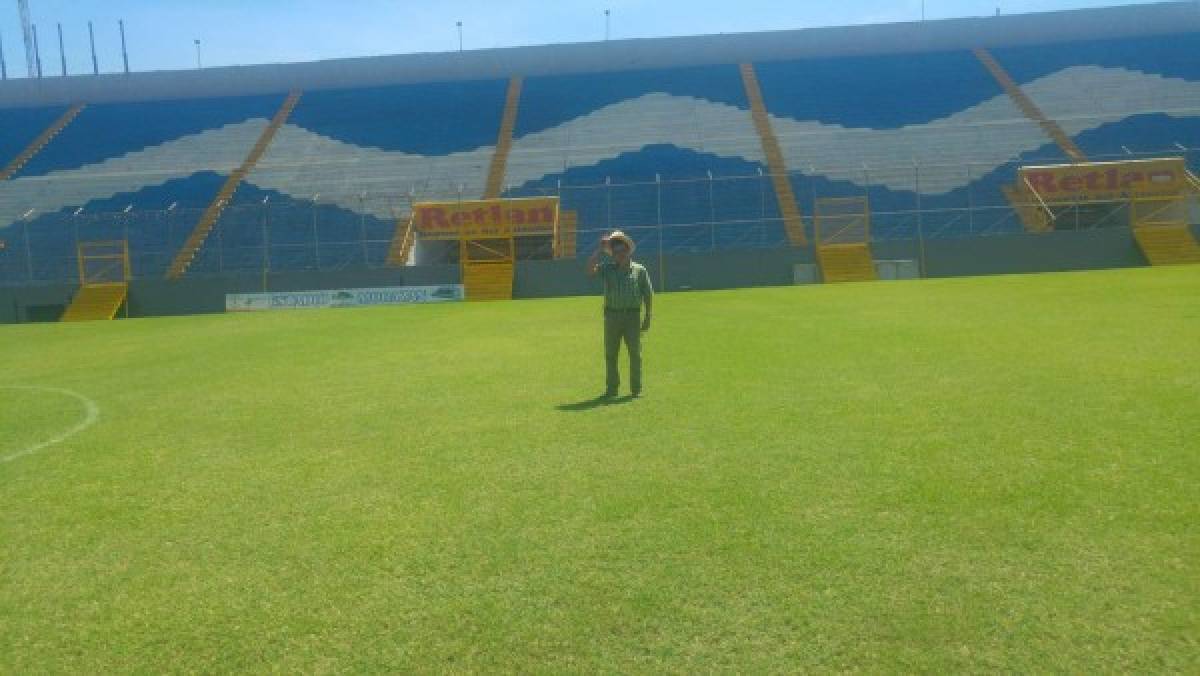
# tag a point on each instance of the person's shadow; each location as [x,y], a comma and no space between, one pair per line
[593,403]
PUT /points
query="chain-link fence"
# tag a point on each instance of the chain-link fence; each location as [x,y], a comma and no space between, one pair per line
[708,213]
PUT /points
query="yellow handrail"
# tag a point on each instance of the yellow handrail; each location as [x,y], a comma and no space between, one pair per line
[410,232]
[857,220]
[114,252]
[1192,180]
[1045,207]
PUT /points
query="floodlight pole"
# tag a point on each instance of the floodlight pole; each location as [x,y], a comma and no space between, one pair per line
[124,51]
[460,40]
[607,23]
[3,65]
[27,34]
[197,41]
[62,52]
[92,40]
[37,52]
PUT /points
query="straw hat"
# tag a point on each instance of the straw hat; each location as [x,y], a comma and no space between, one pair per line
[617,234]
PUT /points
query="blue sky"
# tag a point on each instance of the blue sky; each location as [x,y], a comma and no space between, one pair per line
[161,32]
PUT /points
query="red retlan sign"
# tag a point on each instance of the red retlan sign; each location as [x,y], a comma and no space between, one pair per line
[486,218]
[1100,181]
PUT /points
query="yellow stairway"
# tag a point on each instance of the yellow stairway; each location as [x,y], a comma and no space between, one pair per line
[208,219]
[499,165]
[793,225]
[403,241]
[1171,244]
[40,142]
[96,301]
[1033,217]
[846,262]
[1028,107]
[488,281]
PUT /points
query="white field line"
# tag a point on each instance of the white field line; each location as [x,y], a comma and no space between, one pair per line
[91,415]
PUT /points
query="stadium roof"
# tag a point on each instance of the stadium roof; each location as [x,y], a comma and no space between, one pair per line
[897,38]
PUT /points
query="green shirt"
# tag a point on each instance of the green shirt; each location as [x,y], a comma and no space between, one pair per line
[624,289]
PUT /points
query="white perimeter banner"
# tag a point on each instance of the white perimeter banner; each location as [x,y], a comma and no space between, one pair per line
[289,300]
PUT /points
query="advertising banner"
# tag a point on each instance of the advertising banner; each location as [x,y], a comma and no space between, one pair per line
[486,218]
[288,300]
[1106,181]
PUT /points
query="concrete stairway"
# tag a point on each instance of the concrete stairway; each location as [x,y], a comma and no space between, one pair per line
[499,165]
[846,263]
[1167,244]
[788,209]
[191,247]
[1028,107]
[40,142]
[492,280]
[96,301]
[403,241]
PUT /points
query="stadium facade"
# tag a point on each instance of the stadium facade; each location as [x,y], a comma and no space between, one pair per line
[714,152]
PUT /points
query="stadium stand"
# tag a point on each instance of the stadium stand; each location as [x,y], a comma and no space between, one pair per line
[633,140]
[673,155]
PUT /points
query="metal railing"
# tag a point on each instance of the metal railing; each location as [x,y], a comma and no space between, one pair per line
[709,213]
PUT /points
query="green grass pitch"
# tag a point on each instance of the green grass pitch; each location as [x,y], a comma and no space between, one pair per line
[991,474]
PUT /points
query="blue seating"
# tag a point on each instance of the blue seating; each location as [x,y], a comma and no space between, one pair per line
[544,104]
[107,130]
[297,235]
[672,148]
[155,221]
[876,92]
[1170,56]
[21,126]
[437,118]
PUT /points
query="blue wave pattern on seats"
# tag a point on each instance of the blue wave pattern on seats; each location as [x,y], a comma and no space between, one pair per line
[635,202]
[978,207]
[877,92]
[738,209]
[20,126]
[297,234]
[1173,56]
[13,268]
[426,119]
[106,130]
[155,220]
[981,207]
[1140,135]
[194,192]
[657,183]
[550,101]
[884,93]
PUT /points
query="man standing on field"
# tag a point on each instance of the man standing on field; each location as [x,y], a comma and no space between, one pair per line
[626,287]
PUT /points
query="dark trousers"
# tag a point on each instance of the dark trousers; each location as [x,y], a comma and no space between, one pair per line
[623,325]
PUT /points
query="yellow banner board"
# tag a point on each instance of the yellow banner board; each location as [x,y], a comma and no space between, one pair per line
[1105,181]
[479,219]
